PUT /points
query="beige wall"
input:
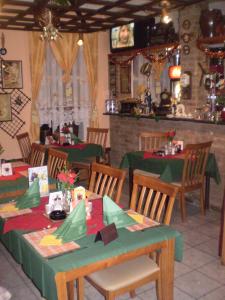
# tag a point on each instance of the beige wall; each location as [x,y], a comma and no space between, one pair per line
[16,43]
[18,49]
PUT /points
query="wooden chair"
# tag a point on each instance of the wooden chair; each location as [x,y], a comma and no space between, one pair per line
[25,146]
[196,156]
[37,156]
[94,136]
[151,141]
[56,161]
[106,180]
[152,198]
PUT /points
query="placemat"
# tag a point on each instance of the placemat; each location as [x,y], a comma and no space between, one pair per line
[142,224]
[48,251]
[10,214]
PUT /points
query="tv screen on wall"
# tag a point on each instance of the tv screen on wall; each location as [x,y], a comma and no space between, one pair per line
[122,37]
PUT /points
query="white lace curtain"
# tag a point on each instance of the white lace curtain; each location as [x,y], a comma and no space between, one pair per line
[60,103]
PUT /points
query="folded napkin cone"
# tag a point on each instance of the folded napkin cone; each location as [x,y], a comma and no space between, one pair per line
[31,198]
[73,228]
[114,214]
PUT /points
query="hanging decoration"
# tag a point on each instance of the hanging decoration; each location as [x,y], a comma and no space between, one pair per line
[153,54]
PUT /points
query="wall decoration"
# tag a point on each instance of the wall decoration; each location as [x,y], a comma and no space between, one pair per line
[186,85]
[186,49]
[12,74]
[125,79]
[12,128]
[186,24]
[5,108]
[18,100]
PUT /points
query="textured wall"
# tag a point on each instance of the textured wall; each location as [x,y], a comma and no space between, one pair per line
[125,132]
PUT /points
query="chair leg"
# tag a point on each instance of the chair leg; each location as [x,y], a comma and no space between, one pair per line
[132,294]
[182,206]
[202,200]
[109,296]
[159,289]
[80,288]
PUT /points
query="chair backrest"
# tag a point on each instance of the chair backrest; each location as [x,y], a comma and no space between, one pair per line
[37,156]
[57,160]
[196,156]
[25,146]
[153,198]
[97,136]
[106,180]
[151,141]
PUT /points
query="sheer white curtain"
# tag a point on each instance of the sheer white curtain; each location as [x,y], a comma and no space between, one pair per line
[60,103]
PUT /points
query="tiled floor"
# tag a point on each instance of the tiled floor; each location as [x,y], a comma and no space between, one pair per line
[199,276]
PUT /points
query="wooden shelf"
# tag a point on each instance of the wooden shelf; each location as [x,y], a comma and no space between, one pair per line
[211,41]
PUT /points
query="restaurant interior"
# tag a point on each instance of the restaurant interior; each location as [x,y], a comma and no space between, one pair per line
[112,117]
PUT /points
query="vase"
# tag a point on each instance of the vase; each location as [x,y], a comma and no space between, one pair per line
[170,147]
[67,195]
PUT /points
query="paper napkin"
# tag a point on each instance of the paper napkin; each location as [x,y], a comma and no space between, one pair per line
[73,228]
[31,198]
[114,214]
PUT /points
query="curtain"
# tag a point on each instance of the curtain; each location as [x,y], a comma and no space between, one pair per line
[91,60]
[37,58]
[61,102]
[65,50]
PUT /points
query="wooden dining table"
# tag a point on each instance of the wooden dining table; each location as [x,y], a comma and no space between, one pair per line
[55,276]
[170,168]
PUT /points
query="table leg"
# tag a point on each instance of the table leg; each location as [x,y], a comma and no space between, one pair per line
[207,191]
[167,270]
[80,288]
[61,286]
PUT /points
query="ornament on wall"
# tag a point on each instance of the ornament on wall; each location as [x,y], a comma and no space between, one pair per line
[3,50]
[13,127]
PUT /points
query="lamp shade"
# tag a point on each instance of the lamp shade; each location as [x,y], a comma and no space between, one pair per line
[174,72]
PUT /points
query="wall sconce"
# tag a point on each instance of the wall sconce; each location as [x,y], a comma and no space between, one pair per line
[80,41]
[165,18]
[174,72]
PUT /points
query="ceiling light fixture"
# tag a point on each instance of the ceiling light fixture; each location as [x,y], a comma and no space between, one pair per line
[165,17]
[49,20]
[80,41]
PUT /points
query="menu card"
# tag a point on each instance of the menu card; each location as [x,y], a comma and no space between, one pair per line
[42,174]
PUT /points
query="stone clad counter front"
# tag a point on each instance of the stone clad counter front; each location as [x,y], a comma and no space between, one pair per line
[125,130]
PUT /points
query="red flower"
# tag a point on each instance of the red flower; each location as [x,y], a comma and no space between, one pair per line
[67,179]
[170,135]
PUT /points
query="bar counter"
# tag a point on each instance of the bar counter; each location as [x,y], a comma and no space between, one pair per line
[125,130]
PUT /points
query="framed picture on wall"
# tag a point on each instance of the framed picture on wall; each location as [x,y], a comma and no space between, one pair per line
[125,79]
[5,108]
[12,77]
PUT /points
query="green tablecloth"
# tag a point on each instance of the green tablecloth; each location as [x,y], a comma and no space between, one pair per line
[170,170]
[42,271]
[91,150]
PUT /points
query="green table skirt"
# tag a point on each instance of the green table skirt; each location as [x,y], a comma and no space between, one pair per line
[90,150]
[170,170]
[42,271]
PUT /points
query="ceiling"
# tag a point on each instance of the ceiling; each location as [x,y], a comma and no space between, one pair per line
[82,16]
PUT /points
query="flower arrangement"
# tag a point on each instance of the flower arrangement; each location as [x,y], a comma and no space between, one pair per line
[66,179]
[170,135]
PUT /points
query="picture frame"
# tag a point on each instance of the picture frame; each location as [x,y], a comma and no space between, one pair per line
[12,76]
[125,79]
[5,107]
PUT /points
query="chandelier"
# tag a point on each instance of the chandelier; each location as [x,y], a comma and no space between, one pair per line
[49,20]
[165,17]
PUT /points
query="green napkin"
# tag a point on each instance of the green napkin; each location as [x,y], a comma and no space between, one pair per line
[74,227]
[75,139]
[114,214]
[31,198]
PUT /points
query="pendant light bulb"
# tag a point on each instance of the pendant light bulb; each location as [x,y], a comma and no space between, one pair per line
[80,40]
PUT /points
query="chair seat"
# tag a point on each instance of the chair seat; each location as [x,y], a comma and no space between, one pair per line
[119,276]
[145,173]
